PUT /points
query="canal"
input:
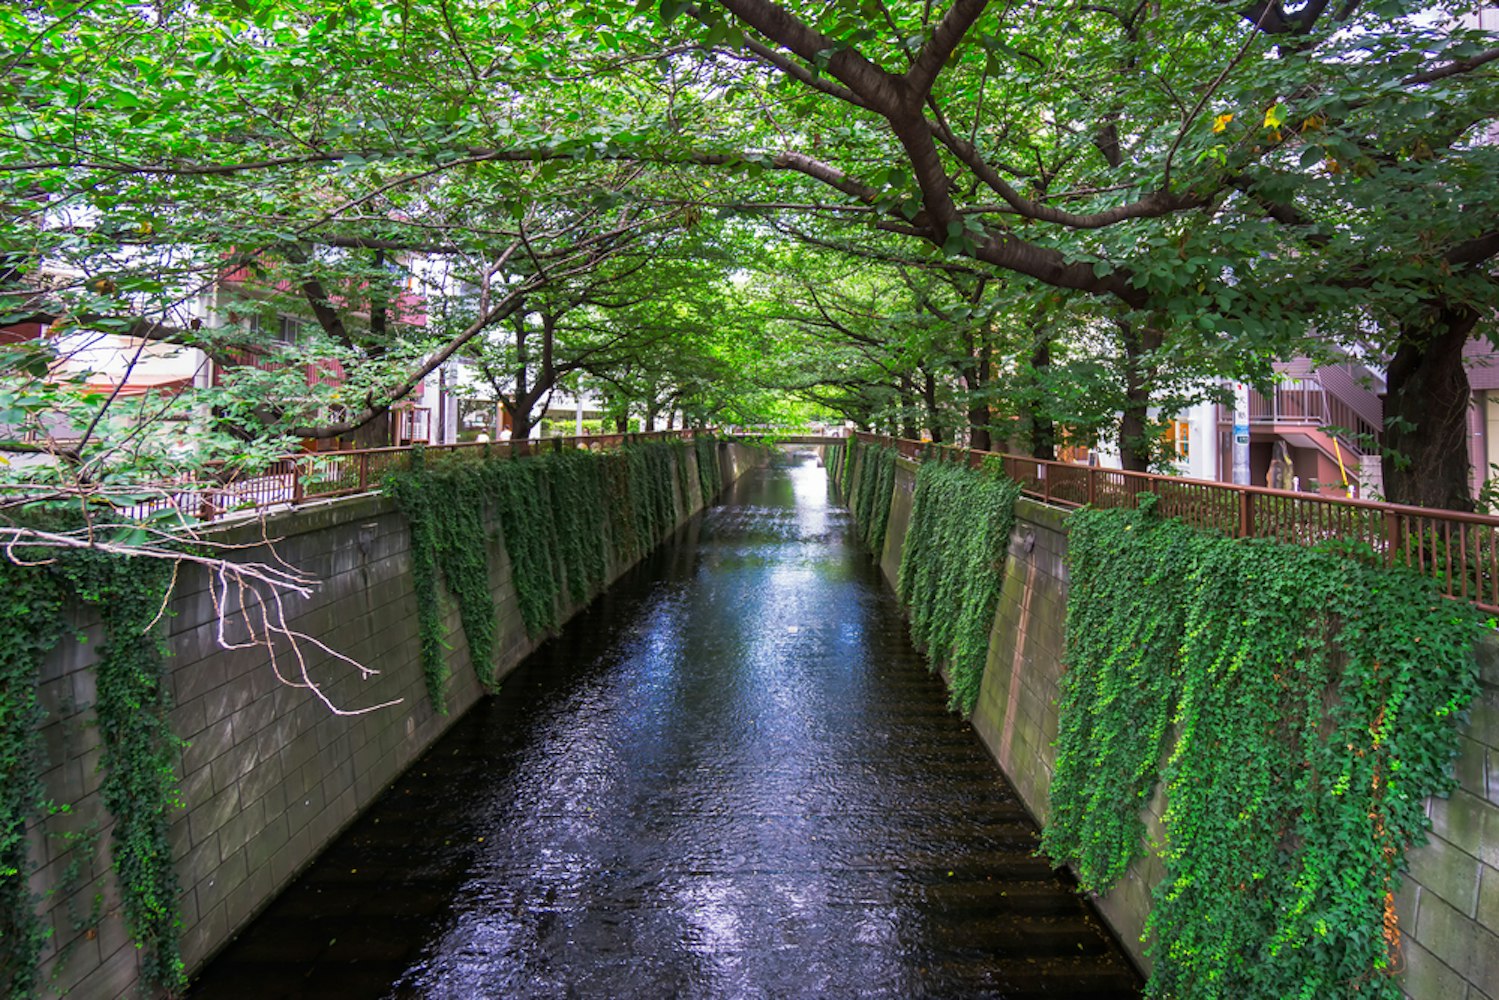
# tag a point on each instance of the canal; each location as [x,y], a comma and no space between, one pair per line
[731,776]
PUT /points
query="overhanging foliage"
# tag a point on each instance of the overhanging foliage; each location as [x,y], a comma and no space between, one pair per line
[566,518]
[139,751]
[952,568]
[1297,705]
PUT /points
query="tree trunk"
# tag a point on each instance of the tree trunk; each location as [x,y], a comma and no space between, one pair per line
[375,433]
[521,417]
[1134,423]
[1426,462]
[1043,432]
[976,381]
[929,398]
[907,390]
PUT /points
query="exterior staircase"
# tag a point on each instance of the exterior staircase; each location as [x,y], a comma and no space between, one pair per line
[1332,410]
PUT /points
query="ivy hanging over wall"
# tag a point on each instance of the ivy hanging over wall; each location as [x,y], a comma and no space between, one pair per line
[875,477]
[139,750]
[952,564]
[833,459]
[651,490]
[845,476]
[1298,706]
[422,516]
[566,517]
[709,471]
[31,602]
[952,568]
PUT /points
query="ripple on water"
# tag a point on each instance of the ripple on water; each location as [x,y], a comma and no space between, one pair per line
[730,777]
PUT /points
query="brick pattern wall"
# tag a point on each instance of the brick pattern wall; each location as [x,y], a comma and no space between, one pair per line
[269,775]
[1449,905]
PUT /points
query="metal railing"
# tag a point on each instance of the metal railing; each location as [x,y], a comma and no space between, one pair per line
[296,479]
[1458,550]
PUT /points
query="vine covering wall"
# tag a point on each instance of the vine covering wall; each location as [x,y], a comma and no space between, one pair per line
[548,508]
[709,468]
[952,563]
[1296,704]
[138,787]
[876,484]
[952,568]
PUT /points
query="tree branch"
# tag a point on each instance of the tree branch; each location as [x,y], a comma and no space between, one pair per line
[922,75]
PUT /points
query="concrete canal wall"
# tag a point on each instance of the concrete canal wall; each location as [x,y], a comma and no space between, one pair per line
[1449,904]
[269,775]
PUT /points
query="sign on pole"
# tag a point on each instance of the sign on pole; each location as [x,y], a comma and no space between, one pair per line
[1241,434]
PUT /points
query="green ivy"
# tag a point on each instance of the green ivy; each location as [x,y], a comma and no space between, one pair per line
[875,478]
[845,474]
[139,751]
[30,603]
[709,471]
[1297,704]
[416,503]
[832,460]
[565,517]
[952,568]
[139,787]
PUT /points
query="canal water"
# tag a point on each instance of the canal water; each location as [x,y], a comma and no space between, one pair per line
[731,776]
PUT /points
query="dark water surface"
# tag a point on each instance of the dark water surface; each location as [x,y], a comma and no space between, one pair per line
[731,776]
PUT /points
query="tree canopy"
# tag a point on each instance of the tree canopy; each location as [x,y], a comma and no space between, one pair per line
[976,220]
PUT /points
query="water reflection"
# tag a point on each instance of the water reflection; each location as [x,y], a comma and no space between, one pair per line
[730,777]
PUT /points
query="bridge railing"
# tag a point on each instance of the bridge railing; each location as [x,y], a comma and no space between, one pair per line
[219,490]
[1458,550]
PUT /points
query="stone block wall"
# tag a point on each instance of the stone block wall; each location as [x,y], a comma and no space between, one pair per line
[901,496]
[1448,907]
[269,774]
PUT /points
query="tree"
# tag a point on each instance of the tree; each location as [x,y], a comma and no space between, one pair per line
[1278,170]
[1223,179]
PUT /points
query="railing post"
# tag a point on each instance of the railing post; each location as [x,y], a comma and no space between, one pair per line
[298,488]
[1092,486]
[1041,471]
[1391,536]
[364,470]
[1246,513]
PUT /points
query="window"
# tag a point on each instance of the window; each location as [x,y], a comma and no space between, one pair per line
[290,331]
[1178,438]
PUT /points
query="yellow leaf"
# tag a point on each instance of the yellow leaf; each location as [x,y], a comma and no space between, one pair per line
[1221,122]
[1275,116]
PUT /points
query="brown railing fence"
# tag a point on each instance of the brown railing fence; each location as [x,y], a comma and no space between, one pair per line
[295,479]
[1460,551]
